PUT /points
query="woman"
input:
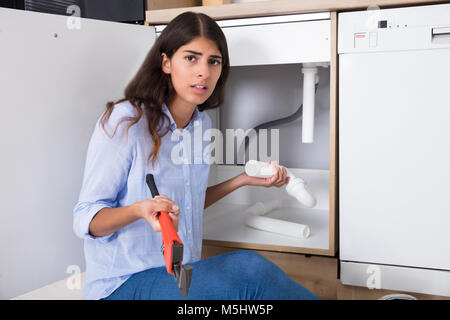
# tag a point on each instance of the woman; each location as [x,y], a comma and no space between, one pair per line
[183,74]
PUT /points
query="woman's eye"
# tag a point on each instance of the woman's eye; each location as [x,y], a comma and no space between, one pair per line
[190,58]
[214,62]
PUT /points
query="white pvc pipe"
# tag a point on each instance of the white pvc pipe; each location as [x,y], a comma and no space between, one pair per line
[287,228]
[255,168]
[254,219]
[309,81]
[296,187]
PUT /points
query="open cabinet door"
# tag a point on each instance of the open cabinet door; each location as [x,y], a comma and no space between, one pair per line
[55,80]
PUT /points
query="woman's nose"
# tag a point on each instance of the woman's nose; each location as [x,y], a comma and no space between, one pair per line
[203,70]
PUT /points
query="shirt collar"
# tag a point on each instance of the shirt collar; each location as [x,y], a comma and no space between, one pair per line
[173,125]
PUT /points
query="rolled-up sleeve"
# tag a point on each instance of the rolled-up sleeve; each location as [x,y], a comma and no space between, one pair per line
[106,170]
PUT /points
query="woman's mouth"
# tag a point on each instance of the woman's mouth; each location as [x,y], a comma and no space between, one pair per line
[199,89]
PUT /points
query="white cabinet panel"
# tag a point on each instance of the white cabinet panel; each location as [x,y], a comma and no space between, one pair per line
[294,42]
[55,83]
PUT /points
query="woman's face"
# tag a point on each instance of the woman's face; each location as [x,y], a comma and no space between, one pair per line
[195,69]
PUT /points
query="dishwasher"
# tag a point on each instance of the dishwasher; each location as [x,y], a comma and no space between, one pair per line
[394,148]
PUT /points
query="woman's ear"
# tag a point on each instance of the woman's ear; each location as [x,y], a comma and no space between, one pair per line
[165,63]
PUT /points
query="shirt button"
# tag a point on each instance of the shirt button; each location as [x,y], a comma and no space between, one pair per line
[187,183]
[188,207]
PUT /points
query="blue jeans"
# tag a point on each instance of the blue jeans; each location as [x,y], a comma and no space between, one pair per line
[242,275]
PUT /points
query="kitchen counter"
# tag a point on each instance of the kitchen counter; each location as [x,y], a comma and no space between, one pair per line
[279,7]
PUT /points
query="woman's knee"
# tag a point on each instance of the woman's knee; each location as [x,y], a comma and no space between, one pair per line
[246,255]
[250,264]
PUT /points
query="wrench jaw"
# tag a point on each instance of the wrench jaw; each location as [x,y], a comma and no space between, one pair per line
[183,275]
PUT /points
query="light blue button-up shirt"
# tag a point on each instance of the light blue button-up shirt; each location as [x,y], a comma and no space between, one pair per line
[114,176]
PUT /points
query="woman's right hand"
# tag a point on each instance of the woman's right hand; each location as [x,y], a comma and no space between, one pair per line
[148,210]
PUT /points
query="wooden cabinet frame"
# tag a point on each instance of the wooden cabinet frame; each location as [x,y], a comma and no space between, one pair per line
[333,178]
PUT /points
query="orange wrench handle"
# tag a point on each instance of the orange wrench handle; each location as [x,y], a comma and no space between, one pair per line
[169,237]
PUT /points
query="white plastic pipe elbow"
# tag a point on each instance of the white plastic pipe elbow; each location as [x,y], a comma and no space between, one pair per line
[296,187]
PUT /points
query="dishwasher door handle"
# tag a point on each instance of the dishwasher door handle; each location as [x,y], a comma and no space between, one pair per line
[440,35]
[440,30]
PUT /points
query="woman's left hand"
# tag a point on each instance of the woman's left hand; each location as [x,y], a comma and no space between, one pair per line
[278,179]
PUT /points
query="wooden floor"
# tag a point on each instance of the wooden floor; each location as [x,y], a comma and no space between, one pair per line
[319,275]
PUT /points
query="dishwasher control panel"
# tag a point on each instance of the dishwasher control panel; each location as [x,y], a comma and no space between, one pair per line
[409,28]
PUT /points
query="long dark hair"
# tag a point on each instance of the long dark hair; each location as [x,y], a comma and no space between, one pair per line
[151,87]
